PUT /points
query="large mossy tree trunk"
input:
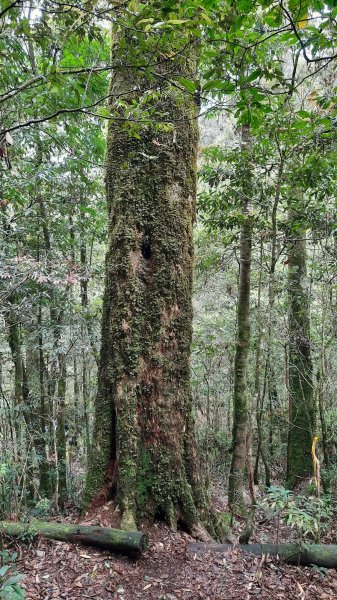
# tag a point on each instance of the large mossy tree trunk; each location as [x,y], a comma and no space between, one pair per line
[302,410]
[240,400]
[143,448]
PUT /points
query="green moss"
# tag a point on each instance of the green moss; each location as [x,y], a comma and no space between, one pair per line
[100,454]
[147,318]
[144,479]
[301,390]
[226,517]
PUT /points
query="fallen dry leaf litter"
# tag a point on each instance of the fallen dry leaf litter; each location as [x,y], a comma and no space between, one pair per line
[167,571]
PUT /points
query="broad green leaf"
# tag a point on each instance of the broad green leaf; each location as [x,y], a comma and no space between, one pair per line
[188,84]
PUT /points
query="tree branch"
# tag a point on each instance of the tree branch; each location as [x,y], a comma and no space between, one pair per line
[20,88]
[3,12]
[302,44]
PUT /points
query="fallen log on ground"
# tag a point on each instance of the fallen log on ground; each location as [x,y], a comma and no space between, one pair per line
[305,554]
[115,540]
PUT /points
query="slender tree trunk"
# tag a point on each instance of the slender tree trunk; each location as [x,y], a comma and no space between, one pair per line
[7,425]
[321,387]
[61,437]
[37,415]
[257,382]
[208,427]
[269,369]
[45,483]
[85,396]
[260,394]
[90,333]
[273,259]
[272,404]
[76,402]
[15,346]
[85,301]
[76,388]
[301,394]
[58,373]
[42,416]
[241,417]
[27,388]
[326,475]
[21,387]
[143,444]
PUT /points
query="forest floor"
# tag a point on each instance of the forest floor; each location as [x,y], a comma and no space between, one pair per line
[167,571]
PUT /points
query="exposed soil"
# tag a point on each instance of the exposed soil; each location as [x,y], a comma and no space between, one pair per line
[167,571]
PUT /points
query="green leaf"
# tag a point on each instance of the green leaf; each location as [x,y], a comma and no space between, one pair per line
[304,114]
[274,17]
[188,84]
[207,18]
[12,580]
[254,75]
[244,6]
[218,84]
[102,111]
[177,21]
[145,21]
[4,570]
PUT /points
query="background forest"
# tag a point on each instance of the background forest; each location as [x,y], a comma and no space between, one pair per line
[264,350]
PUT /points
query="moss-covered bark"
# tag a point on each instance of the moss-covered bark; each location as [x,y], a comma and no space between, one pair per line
[37,414]
[143,444]
[295,554]
[61,435]
[103,537]
[302,409]
[240,402]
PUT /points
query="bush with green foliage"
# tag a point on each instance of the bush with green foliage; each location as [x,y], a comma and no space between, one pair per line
[10,588]
[308,515]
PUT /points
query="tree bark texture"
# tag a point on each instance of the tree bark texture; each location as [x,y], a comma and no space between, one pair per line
[301,392]
[60,432]
[240,402]
[143,446]
[36,417]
